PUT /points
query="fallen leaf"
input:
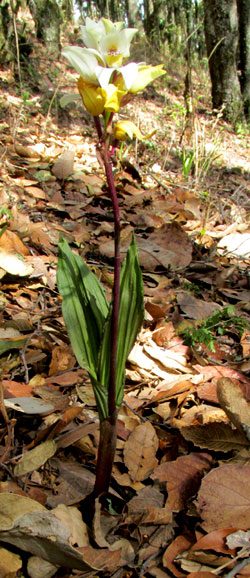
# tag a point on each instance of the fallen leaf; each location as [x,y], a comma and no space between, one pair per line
[236,244]
[234,403]
[15,265]
[195,308]
[10,242]
[39,568]
[147,506]
[239,539]
[219,437]
[63,167]
[75,483]
[179,545]
[26,151]
[200,575]
[208,392]
[10,563]
[35,458]
[210,371]
[62,359]
[29,405]
[36,192]
[28,525]
[71,517]
[140,452]
[168,247]
[182,477]
[223,499]
[216,541]
[200,414]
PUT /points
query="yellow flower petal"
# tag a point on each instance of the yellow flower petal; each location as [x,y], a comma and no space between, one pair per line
[93,96]
[146,74]
[127,129]
[113,98]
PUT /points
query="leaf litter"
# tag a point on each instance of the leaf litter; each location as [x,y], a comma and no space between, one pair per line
[179,501]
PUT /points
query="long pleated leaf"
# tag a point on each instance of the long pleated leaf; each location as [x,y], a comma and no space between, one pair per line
[85,307]
[131,315]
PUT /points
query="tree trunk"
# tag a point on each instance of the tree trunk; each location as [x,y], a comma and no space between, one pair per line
[244,46]
[153,22]
[47,17]
[221,32]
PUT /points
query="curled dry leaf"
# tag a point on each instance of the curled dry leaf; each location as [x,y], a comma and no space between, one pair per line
[223,499]
[140,452]
[179,545]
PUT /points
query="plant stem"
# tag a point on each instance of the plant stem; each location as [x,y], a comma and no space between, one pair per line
[106,454]
[107,445]
[116,287]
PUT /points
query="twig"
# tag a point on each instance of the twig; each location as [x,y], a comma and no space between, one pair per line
[159,182]
[237,568]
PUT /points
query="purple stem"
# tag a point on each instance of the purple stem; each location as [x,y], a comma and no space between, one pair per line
[117,264]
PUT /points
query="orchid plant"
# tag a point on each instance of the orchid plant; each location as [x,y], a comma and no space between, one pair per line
[102,333]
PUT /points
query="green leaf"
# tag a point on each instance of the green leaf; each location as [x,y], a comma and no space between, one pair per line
[131,315]
[85,307]
[8,344]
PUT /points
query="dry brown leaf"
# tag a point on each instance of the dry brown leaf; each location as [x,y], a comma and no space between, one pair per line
[223,499]
[215,541]
[167,247]
[200,575]
[147,506]
[71,517]
[16,388]
[173,360]
[234,403]
[183,478]
[27,524]
[140,452]
[35,458]
[15,265]
[210,371]
[63,167]
[11,243]
[179,545]
[26,151]
[208,392]
[39,568]
[36,192]
[62,359]
[219,437]
[75,483]
[10,563]
[200,414]
[195,308]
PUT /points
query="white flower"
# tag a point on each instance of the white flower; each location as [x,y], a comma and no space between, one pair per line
[83,61]
[107,40]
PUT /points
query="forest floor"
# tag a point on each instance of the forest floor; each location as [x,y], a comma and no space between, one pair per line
[179,500]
